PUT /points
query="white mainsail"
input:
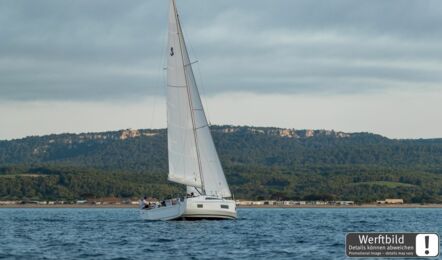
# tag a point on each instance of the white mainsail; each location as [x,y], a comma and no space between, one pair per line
[193,159]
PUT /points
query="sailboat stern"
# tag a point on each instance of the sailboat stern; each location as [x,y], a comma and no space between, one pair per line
[169,212]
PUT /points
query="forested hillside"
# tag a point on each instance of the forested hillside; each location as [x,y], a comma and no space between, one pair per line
[260,163]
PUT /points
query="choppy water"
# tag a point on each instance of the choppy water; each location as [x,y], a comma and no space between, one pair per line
[257,234]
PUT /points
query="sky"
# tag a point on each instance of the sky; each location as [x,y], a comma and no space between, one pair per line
[352,66]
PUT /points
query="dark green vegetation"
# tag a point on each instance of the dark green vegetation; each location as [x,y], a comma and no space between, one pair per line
[260,163]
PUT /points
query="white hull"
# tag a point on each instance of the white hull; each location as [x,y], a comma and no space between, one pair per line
[169,212]
[194,208]
[206,207]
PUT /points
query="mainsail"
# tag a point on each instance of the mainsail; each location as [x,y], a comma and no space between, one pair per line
[193,159]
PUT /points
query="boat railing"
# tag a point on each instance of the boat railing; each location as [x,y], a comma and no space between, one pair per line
[163,203]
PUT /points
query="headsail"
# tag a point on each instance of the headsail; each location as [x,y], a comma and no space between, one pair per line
[193,159]
[183,161]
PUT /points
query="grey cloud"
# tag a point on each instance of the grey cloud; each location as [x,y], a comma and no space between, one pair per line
[82,49]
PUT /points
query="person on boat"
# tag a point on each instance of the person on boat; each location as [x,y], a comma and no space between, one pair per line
[145,203]
[141,204]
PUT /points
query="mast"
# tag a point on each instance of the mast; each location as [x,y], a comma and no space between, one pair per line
[192,110]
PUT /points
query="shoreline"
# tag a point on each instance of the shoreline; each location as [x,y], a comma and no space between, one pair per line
[346,206]
[91,206]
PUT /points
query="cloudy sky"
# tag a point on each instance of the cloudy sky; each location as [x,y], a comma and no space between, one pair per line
[82,65]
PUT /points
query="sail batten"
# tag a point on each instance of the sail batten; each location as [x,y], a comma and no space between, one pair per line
[193,159]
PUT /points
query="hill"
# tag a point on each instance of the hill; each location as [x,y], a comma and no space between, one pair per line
[259,163]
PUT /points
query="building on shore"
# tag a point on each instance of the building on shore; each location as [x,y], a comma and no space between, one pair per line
[10,202]
[344,202]
[292,203]
[249,203]
[394,201]
[390,201]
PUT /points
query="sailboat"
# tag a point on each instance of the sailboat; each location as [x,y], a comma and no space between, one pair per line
[193,159]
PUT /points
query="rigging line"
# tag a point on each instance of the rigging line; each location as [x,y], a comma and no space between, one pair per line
[158,82]
[201,127]
[190,64]
[183,44]
[198,190]
[201,83]
[163,76]
[175,86]
[186,65]
[164,64]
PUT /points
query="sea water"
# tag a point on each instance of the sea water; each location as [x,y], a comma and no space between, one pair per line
[257,233]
